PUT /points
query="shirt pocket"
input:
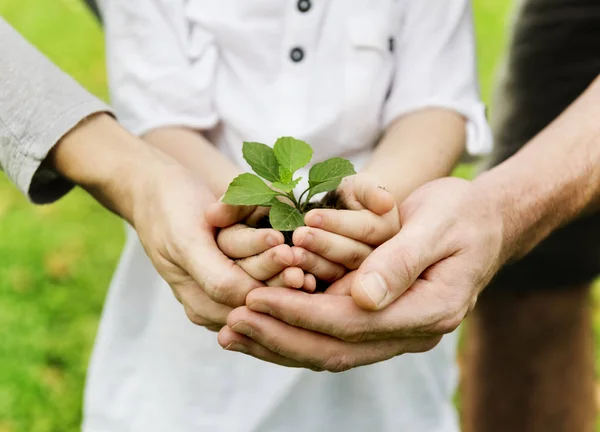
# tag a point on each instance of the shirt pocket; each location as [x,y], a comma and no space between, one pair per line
[369,67]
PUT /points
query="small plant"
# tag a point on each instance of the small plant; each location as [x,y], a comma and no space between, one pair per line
[277,166]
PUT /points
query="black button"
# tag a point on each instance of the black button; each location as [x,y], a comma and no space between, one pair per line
[297,54]
[304,5]
[391,43]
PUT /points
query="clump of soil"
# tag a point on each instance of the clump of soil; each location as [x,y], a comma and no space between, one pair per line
[331,200]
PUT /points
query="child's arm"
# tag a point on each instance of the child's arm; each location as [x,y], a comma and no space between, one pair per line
[434,110]
[417,148]
[159,91]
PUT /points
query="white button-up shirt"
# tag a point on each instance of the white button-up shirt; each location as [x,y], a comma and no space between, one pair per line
[334,73]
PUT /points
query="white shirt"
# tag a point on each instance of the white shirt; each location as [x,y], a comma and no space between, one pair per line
[227,66]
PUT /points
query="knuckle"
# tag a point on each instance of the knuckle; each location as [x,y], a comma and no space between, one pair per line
[426,345]
[367,232]
[405,267]
[197,319]
[338,362]
[448,324]
[354,259]
[353,331]
[222,290]
[324,246]
[337,272]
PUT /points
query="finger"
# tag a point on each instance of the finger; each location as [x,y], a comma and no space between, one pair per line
[220,278]
[361,225]
[221,215]
[233,341]
[291,277]
[241,241]
[342,286]
[361,192]
[316,265]
[333,247]
[199,308]
[310,283]
[319,350]
[395,265]
[421,312]
[268,264]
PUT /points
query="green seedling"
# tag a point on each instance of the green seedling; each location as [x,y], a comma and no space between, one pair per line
[277,165]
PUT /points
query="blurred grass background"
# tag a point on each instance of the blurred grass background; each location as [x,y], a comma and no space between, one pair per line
[56,261]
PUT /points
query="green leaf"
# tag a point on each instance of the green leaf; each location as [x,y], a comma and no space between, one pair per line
[327,175]
[287,187]
[292,154]
[248,189]
[284,217]
[262,159]
[285,175]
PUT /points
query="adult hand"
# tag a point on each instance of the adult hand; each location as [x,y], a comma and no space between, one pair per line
[412,290]
[165,203]
[168,215]
[348,236]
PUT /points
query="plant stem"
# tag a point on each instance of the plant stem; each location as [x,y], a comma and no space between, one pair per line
[293,199]
[303,204]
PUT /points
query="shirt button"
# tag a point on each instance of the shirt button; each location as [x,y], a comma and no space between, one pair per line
[297,54]
[304,5]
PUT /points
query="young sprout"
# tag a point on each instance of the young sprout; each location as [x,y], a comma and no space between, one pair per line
[277,166]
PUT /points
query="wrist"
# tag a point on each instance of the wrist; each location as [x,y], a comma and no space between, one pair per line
[530,203]
[108,162]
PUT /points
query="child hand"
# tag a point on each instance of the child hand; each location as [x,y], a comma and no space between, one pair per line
[261,252]
[347,237]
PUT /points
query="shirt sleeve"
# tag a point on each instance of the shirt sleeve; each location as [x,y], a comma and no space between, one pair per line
[160,67]
[39,104]
[436,66]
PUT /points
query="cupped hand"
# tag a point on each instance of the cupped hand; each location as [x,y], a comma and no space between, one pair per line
[348,236]
[168,215]
[411,291]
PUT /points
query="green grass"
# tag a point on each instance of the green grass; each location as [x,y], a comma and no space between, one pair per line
[56,261]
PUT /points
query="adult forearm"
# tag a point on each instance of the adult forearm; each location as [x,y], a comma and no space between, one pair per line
[552,180]
[194,151]
[418,148]
[108,162]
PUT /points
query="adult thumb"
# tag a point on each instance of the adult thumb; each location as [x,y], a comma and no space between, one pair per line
[221,215]
[393,268]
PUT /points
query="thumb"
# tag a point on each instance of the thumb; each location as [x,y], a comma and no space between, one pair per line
[361,192]
[393,268]
[221,215]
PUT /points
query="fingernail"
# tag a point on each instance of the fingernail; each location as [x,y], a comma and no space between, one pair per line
[236,346]
[316,221]
[272,240]
[374,286]
[242,327]
[260,307]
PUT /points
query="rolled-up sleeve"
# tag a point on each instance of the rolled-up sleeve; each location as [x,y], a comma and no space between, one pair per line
[436,66]
[160,67]
[39,104]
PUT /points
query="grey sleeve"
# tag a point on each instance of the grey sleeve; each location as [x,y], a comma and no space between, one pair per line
[39,104]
